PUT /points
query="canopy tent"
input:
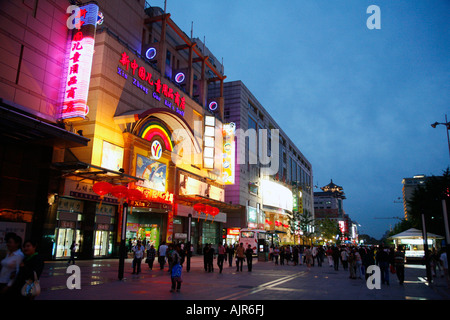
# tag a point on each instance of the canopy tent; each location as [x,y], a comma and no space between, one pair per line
[414,234]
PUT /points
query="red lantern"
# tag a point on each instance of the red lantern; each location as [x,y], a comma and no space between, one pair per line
[101,188]
[214,212]
[134,195]
[199,207]
[119,191]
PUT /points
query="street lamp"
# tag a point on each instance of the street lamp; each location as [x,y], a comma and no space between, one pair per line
[447,124]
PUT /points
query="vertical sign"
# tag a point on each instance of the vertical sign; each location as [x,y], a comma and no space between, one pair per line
[229,151]
[209,143]
[78,73]
[169,236]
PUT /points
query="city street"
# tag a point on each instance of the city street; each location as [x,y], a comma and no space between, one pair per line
[99,281]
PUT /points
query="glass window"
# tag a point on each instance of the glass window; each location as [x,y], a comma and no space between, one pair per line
[247,234]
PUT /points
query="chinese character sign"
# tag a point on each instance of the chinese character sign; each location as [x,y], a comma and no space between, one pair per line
[79,65]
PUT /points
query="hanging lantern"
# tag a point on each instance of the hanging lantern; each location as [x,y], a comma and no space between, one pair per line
[119,191]
[102,188]
[199,207]
[214,212]
[207,211]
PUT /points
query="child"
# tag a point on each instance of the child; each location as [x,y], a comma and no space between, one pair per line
[176,270]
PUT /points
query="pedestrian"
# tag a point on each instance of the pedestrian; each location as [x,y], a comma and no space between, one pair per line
[435,263]
[73,250]
[320,255]
[230,252]
[151,254]
[314,254]
[358,264]
[308,257]
[444,264]
[300,255]
[240,255]
[11,263]
[382,259]
[399,261]
[287,254]
[336,256]
[276,253]
[31,267]
[177,270]
[329,254]
[170,250]
[221,256]
[138,251]
[162,250]
[249,256]
[205,256]
[295,255]
[351,264]
[282,255]
[210,258]
[344,259]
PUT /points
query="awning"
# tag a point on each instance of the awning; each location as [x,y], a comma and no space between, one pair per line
[414,233]
[19,125]
[193,199]
[88,171]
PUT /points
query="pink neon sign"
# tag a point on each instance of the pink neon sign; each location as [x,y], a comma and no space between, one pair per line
[78,74]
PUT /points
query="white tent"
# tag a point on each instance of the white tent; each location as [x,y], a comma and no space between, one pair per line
[414,234]
[412,240]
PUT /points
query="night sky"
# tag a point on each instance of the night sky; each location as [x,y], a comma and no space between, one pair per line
[357,102]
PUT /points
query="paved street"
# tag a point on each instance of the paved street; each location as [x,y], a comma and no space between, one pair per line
[99,281]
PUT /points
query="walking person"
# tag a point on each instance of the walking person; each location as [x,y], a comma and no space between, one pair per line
[210,258]
[344,259]
[320,256]
[351,264]
[336,256]
[249,257]
[329,254]
[162,250]
[205,257]
[295,255]
[177,269]
[300,255]
[444,264]
[308,257]
[230,252]
[151,254]
[240,255]
[11,263]
[399,262]
[221,255]
[282,255]
[276,254]
[73,250]
[358,264]
[139,251]
[382,258]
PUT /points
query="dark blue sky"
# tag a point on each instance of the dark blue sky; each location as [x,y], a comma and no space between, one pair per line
[358,103]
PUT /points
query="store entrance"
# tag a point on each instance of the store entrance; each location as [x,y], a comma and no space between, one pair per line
[64,239]
[102,245]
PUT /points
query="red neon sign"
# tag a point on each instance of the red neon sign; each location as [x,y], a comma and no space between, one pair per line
[156,196]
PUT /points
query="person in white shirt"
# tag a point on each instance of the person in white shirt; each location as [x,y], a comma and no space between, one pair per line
[11,263]
[162,254]
[139,251]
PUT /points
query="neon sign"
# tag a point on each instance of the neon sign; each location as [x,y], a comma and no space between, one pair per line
[213,106]
[179,78]
[156,150]
[78,74]
[173,99]
[150,53]
[156,196]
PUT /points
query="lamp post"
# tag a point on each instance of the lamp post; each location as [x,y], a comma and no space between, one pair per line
[444,205]
[447,124]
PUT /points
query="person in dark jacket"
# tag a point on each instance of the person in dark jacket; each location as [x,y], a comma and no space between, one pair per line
[249,256]
[31,264]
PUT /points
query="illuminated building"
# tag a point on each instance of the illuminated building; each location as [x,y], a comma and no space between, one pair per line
[409,186]
[329,204]
[124,102]
[268,200]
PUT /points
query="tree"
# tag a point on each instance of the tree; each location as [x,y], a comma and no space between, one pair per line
[328,228]
[306,223]
[427,199]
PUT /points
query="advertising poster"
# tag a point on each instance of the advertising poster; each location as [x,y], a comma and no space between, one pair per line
[153,172]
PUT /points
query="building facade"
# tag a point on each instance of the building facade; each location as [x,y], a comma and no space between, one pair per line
[268,190]
[408,188]
[329,204]
[119,95]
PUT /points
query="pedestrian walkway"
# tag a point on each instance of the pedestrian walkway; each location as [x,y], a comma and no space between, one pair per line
[267,281]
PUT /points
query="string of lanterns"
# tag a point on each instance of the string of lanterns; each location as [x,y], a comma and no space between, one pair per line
[121,192]
[206,209]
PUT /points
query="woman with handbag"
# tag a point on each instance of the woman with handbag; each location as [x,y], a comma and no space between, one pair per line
[26,286]
[10,264]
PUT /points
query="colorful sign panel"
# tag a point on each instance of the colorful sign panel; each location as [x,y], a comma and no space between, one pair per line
[153,172]
[79,67]
[191,186]
[229,153]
